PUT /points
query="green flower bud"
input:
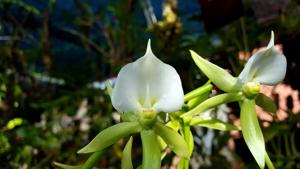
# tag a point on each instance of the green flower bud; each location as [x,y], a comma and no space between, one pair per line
[251,89]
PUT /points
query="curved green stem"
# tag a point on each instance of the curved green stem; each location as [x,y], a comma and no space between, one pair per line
[90,163]
[269,162]
[214,102]
[188,137]
[199,91]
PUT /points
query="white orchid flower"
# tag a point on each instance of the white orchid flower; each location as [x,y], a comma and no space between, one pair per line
[147,85]
[267,66]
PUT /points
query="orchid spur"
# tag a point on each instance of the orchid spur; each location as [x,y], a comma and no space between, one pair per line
[268,67]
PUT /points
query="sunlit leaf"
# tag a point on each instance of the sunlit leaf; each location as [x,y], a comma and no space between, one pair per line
[251,131]
[265,103]
[111,135]
[126,157]
[151,150]
[173,140]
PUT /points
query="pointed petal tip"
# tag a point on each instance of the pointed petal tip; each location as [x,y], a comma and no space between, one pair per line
[84,150]
[149,50]
[193,52]
[271,42]
[80,151]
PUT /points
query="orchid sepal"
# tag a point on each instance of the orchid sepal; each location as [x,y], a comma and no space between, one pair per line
[220,77]
[111,135]
[251,131]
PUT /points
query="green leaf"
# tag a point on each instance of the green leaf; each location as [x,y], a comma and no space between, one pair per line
[220,77]
[173,140]
[111,135]
[213,123]
[266,103]
[214,102]
[251,131]
[65,166]
[126,157]
[151,150]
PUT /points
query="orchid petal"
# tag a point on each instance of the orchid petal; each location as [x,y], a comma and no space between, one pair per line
[220,77]
[267,66]
[251,131]
[147,83]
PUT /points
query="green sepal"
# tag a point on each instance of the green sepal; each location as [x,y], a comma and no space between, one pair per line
[251,131]
[151,150]
[220,77]
[214,102]
[213,123]
[266,103]
[65,166]
[172,124]
[111,135]
[126,156]
[173,140]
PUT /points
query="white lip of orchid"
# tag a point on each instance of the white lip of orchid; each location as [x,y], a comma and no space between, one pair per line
[147,85]
[267,66]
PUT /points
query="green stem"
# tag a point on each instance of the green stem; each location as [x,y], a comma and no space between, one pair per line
[90,163]
[214,102]
[188,137]
[199,91]
[269,162]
